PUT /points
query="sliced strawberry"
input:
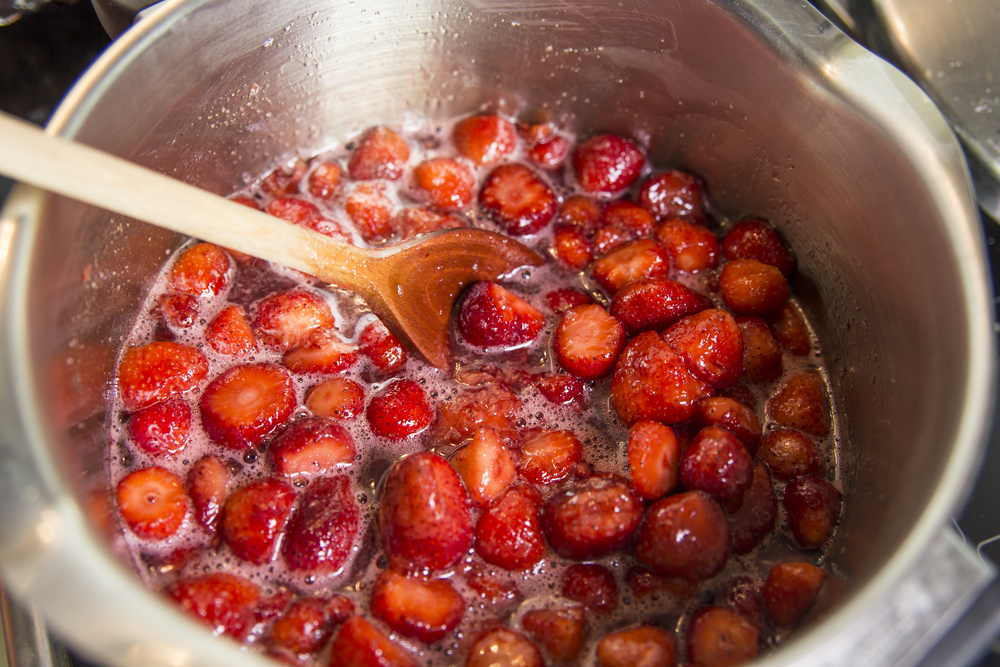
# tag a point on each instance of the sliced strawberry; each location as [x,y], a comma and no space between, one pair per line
[509,533]
[653,304]
[791,331]
[591,585]
[629,216]
[591,518]
[559,389]
[654,454]
[753,238]
[303,628]
[313,445]
[381,347]
[644,645]
[323,532]
[492,316]
[337,398]
[801,404]
[246,404]
[754,519]
[284,180]
[201,270]
[416,606]
[611,238]
[718,636]
[179,310]
[361,644]
[208,486]
[485,138]
[684,535]
[380,153]
[444,183]
[550,154]
[371,211]
[326,181]
[156,371]
[732,415]
[162,429]
[588,341]
[789,591]
[581,211]
[224,601]
[813,508]
[673,194]
[491,405]
[637,259]
[501,646]
[286,320]
[323,352]
[418,220]
[692,247]
[254,517]
[559,301]
[711,344]
[572,246]
[549,457]
[717,463]
[152,501]
[485,466]
[790,454]
[425,516]
[750,287]
[400,410]
[517,200]
[231,334]
[560,631]
[607,164]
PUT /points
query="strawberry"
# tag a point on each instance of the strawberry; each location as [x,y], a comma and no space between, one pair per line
[492,405]
[313,445]
[517,200]
[323,352]
[642,582]
[790,454]
[208,486]
[416,606]
[801,404]
[323,531]
[653,304]
[444,183]
[382,348]
[581,211]
[399,410]
[337,398]
[692,247]
[789,591]
[790,330]
[651,381]
[201,270]
[157,371]
[588,341]
[753,238]
[711,344]
[492,316]
[485,138]
[509,533]
[230,333]
[591,518]
[631,217]
[380,153]
[591,585]
[732,415]
[631,261]
[742,595]
[485,466]
[223,601]
[549,154]
[717,463]
[559,389]
[304,627]
[813,508]
[179,310]
[162,429]
[607,164]
[371,211]
[361,644]
[501,646]
[418,220]
[559,301]
[718,636]
[754,517]
[286,320]
[294,210]
[644,645]
[684,535]
[549,457]
[245,404]
[254,517]
[284,180]
[673,194]
[490,587]
[271,606]
[654,454]
[560,631]
[326,181]
[571,245]
[761,352]
[610,238]
[152,501]
[750,287]
[425,516]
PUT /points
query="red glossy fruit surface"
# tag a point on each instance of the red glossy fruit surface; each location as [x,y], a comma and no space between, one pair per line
[753,238]
[382,348]
[711,344]
[208,486]
[323,531]
[509,533]
[559,301]
[326,181]
[284,180]
[162,429]
[750,287]
[361,644]
[813,507]
[311,446]
[572,246]
[417,220]
[501,647]
[684,535]
[493,316]
[517,200]
[720,637]
[246,404]
[591,585]
[732,415]
[790,454]
[591,518]
[692,246]
[754,519]
[559,389]
[444,183]
[223,601]
[371,211]
[790,330]
[607,164]
[152,501]
[230,333]
[630,217]
[415,606]
[380,153]
[179,311]
[717,463]
[645,645]
[337,398]
[560,631]
[286,320]
[156,371]
[673,194]
[588,341]
[484,139]
[581,211]
[801,404]
[654,304]
[400,410]
[790,591]
[486,467]
[303,628]
[654,455]
[254,517]
[761,352]
[323,352]
[549,457]
[638,259]
[202,270]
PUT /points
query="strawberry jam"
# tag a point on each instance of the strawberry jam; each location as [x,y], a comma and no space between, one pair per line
[632,458]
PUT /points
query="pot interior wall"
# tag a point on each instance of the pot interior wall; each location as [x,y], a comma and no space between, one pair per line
[220,97]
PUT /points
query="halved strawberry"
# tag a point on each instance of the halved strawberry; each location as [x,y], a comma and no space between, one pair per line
[711,344]
[752,238]
[591,585]
[491,405]
[294,210]
[691,245]
[610,238]
[790,330]
[637,259]
[254,517]
[673,194]
[559,389]
[561,631]
[417,220]
[179,310]
[230,333]
[551,153]
[246,404]
[323,352]
[491,587]
[721,636]
[761,352]
[485,466]
[581,211]
[156,371]
[284,180]
[517,200]
[400,410]
[208,486]
[561,300]
[801,404]
[361,644]
[381,347]
[789,591]
[653,304]
[201,270]
[326,180]
[732,415]
[645,645]
[304,627]
[313,445]
[571,244]
[750,287]
[813,507]
[323,531]
[417,606]
[592,517]
[501,646]
[444,183]
[287,319]
[509,533]
[162,429]
[549,457]
[607,164]
[371,211]
[152,501]
[654,455]
[380,153]
[337,398]
[224,601]
[485,138]
[629,216]
[588,341]
[492,316]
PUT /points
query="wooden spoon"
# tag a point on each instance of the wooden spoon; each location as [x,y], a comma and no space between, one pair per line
[411,286]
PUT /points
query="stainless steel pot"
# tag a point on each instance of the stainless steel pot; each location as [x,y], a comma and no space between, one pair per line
[782,115]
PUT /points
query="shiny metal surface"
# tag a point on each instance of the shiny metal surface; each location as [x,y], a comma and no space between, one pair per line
[783,115]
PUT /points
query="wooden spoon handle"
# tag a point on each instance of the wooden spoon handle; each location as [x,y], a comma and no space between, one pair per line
[91,176]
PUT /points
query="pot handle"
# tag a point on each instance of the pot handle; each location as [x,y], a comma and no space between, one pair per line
[117,15]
